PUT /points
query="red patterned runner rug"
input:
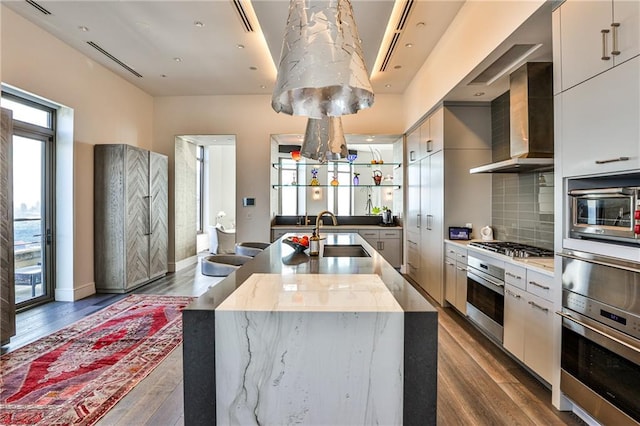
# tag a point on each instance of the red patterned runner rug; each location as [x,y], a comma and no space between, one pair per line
[77,374]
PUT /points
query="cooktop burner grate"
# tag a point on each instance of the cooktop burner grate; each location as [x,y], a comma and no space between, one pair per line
[512,249]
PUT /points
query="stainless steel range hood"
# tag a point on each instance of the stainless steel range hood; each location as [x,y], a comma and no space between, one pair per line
[531,121]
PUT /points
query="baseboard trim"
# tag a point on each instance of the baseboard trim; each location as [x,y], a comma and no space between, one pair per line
[76,293]
[176,266]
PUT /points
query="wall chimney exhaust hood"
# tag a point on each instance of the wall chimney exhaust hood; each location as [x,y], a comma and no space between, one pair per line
[531,121]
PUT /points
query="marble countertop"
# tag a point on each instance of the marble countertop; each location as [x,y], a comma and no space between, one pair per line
[311,293]
[541,264]
[280,259]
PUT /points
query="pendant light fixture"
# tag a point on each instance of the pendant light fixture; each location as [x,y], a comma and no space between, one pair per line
[322,70]
[324,140]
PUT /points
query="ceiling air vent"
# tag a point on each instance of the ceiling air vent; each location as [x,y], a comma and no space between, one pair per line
[37,6]
[504,63]
[402,21]
[114,59]
[242,14]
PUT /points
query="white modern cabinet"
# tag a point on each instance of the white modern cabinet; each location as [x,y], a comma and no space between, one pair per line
[387,242]
[441,192]
[595,36]
[455,272]
[528,321]
[597,86]
[598,123]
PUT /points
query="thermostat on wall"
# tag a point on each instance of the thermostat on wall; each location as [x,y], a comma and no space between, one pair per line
[246,201]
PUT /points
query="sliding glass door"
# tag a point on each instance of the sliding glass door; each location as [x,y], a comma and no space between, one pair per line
[33,137]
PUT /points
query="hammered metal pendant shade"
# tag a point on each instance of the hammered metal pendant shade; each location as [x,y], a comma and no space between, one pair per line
[322,70]
[324,140]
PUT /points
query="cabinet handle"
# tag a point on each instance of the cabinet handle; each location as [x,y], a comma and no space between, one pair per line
[429,220]
[604,45]
[429,145]
[517,277]
[450,263]
[148,199]
[461,269]
[614,26]
[412,155]
[419,221]
[544,287]
[512,294]
[612,160]
[451,251]
[535,305]
[380,245]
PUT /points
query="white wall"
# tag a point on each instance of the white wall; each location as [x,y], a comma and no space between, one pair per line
[107,109]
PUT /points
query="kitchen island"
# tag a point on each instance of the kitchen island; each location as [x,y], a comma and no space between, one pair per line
[216,328]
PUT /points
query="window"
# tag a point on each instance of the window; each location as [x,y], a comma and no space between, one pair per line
[289,193]
[339,197]
[199,189]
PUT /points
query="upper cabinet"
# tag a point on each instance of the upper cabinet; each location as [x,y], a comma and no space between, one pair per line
[597,65]
[426,139]
[594,36]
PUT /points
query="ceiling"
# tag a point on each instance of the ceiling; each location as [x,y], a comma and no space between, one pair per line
[202,47]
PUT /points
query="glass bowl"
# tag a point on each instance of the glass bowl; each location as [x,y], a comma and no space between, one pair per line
[299,248]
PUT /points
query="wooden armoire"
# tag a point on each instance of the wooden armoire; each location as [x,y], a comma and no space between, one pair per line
[7,285]
[131,229]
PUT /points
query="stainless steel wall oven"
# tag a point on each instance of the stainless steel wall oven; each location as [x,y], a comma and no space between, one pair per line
[600,360]
[485,294]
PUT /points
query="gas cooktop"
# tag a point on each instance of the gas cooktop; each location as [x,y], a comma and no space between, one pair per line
[512,249]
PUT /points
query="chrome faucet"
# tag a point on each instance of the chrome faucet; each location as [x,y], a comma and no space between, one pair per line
[319,221]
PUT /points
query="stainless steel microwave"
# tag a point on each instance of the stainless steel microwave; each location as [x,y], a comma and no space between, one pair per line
[605,213]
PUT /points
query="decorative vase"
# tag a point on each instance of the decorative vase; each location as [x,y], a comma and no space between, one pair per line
[377,177]
[314,179]
[335,182]
[356,179]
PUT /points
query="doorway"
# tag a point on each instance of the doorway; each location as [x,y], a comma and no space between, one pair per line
[33,195]
[205,191]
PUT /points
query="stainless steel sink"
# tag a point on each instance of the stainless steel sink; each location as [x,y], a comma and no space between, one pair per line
[344,250]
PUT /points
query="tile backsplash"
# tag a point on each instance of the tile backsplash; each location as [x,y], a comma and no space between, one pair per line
[522,208]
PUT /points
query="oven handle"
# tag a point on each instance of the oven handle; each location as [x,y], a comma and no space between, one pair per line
[600,192]
[600,332]
[483,281]
[626,267]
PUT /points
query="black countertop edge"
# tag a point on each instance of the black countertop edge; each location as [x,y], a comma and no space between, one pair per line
[280,258]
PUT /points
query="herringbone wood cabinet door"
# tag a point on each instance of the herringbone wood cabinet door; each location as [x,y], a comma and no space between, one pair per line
[159,192]
[137,216]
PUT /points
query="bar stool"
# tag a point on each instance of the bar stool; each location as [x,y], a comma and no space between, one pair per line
[221,265]
[250,248]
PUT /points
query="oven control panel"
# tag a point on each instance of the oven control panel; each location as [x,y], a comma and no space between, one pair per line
[624,321]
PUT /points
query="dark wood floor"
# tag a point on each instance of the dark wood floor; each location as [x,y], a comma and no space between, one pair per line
[478,384]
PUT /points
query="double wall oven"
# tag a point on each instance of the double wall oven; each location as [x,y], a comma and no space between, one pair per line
[600,356]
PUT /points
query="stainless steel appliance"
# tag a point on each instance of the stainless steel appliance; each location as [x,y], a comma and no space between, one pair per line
[605,213]
[600,361]
[485,294]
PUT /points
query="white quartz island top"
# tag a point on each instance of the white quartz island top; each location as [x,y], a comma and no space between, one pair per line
[312,293]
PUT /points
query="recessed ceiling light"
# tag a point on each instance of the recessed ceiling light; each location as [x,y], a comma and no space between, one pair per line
[163,76]
[83,28]
[420,24]
[409,45]
[240,46]
[198,24]
[478,94]
[369,139]
[397,67]
[253,68]
[262,86]
[177,59]
[387,85]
